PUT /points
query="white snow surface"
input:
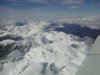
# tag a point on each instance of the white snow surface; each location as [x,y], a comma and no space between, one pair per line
[43,53]
[6,42]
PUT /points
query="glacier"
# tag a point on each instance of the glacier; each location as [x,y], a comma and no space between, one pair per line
[30,50]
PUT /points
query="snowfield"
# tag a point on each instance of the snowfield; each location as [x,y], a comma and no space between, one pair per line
[30,50]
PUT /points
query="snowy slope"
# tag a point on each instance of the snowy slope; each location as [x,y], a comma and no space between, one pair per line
[36,52]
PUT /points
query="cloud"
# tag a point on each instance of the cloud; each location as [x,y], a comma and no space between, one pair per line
[33,1]
[63,2]
[59,2]
[12,0]
[73,1]
[73,7]
[4,9]
[39,1]
[51,1]
[98,3]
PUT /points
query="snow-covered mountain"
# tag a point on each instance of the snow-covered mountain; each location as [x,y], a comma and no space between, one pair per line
[36,48]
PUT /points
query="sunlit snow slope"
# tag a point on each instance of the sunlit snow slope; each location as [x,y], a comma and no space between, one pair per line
[26,48]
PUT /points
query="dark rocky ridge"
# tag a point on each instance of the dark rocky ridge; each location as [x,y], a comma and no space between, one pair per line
[5,50]
[16,38]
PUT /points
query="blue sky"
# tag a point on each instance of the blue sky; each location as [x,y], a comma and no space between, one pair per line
[49,8]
